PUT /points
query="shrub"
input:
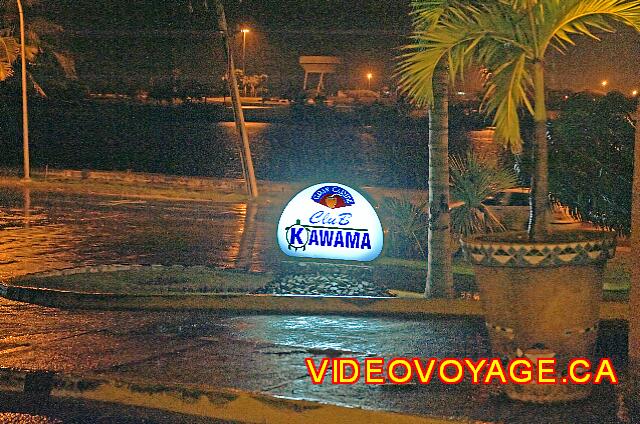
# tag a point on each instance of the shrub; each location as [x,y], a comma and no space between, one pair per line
[591,159]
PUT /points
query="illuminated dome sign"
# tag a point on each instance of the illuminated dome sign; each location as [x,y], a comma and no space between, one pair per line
[330,221]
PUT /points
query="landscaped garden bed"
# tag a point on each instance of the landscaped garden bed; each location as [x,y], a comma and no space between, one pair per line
[389,276]
[155,279]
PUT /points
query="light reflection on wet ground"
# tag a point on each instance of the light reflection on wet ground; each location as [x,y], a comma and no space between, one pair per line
[40,231]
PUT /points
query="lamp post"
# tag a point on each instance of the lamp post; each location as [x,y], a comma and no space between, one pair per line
[25,109]
[245,148]
[369,76]
[244,32]
[604,83]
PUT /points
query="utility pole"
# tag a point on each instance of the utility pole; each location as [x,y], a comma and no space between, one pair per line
[245,153]
[25,109]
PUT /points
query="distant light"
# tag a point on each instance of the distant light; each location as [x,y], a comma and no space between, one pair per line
[634,93]
[461,93]
[566,97]
[604,83]
[369,75]
[244,30]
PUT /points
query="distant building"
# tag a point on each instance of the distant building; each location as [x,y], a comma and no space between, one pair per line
[318,65]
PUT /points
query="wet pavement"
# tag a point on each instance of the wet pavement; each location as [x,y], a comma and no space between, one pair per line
[266,354]
[23,410]
[257,353]
[41,231]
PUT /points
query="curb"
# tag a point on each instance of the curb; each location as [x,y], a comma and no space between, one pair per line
[227,303]
[228,185]
[224,404]
[244,303]
[251,303]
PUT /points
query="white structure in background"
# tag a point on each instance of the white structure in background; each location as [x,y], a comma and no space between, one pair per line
[318,65]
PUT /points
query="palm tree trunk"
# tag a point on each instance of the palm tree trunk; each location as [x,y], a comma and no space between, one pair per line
[439,271]
[539,216]
[634,294]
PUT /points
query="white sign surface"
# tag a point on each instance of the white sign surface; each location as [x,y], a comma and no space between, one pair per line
[330,221]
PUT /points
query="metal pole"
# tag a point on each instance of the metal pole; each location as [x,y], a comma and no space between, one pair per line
[25,109]
[244,52]
[634,293]
[237,106]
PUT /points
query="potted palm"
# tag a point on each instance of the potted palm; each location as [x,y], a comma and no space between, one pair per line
[540,290]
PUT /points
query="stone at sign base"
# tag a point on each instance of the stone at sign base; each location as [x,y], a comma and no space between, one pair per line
[313,278]
[542,300]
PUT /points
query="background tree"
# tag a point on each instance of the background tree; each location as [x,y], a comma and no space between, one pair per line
[510,38]
[44,40]
[591,159]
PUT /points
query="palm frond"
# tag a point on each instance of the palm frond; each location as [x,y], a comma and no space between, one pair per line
[453,39]
[507,90]
[67,63]
[473,181]
[37,86]
[9,51]
[520,5]
[426,13]
[561,20]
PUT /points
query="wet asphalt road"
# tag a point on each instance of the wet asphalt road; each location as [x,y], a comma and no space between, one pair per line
[261,353]
[266,354]
[40,231]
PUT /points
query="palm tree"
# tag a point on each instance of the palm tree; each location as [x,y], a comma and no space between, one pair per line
[427,16]
[42,35]
[439,261]
[36,34]
[510,39]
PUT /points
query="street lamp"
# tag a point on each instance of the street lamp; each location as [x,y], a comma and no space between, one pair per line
[604,83]
[369,76]
[634,93]
[25,109]
[244,32]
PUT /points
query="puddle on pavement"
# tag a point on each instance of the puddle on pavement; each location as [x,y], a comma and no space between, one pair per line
[40,231]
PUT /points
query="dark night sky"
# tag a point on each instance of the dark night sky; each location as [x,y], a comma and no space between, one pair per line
[115,41]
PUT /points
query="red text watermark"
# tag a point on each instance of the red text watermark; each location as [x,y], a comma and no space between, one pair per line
[455,370]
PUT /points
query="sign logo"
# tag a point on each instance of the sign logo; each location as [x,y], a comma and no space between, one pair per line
[330,221]
[333,197]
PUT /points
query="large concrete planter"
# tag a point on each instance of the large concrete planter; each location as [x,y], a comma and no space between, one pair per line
[542,300]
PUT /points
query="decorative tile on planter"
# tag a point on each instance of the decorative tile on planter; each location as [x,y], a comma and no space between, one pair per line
[522,255]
